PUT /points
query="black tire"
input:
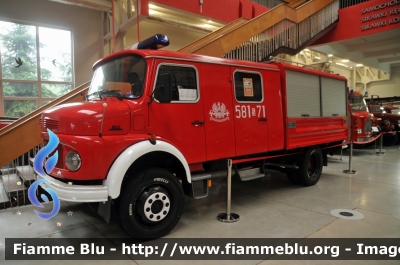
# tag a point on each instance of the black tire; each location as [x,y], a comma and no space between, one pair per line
[389,140]
[151,204]
[310,166]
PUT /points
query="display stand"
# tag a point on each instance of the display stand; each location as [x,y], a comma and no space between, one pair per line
[380,150]
[228,217]
[350,170]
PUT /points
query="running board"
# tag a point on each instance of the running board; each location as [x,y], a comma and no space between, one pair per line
[204,177]
[250,174]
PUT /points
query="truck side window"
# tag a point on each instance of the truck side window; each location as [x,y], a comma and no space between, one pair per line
[184,82]
[248,86]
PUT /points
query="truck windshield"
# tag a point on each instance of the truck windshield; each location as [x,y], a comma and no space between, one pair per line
[122,77]
[357,103]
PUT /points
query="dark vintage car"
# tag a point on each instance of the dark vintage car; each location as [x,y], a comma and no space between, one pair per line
[389,120]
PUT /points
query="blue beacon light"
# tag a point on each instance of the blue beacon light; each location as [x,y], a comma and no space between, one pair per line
[155,42]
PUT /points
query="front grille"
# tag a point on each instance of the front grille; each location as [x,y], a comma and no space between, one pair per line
[50,124]
[368,126]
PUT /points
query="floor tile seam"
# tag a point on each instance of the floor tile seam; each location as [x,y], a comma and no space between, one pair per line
[361,159]
[336,219]
[374,211]
[372,181]
[287,204]
[100,232]
[57,232]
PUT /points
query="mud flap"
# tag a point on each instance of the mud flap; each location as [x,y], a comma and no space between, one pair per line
[105,210]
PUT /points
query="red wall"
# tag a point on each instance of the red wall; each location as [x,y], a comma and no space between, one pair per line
[222,10]
[358,20]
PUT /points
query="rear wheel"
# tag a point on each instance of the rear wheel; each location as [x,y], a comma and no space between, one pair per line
[151,204]
[310,166]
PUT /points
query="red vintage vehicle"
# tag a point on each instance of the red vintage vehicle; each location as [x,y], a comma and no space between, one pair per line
[4,121]
[362,120]
[157,122]
[390,123]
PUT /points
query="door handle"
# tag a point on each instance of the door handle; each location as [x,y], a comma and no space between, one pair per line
[197,123]
[263,119]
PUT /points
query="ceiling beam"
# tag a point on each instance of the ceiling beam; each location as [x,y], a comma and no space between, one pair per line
[373,44]
[383,52]
[391,59]
[103,5]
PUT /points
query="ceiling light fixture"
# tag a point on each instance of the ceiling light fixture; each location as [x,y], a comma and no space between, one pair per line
[359,65]
[345,61]
[341,64]
[330,55]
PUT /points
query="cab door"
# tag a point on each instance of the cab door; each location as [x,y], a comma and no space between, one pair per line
[250,116]
[216,93]
[180,122]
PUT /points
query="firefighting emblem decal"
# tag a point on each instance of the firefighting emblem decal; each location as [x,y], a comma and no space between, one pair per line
[219,113]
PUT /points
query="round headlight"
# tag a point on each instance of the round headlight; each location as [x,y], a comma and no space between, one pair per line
[73,161]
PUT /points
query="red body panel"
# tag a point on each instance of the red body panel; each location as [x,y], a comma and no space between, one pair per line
[315,131]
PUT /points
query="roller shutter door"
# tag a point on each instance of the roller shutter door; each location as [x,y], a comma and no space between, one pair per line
[303,95]
[333,97]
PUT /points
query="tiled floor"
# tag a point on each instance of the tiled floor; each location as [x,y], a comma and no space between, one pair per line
[269,208]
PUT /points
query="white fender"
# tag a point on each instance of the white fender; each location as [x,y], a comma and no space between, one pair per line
[130,155]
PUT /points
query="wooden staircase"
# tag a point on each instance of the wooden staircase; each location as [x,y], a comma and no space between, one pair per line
[291,26]
[24,134]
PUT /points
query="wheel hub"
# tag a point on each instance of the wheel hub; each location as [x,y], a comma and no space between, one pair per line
[157,206]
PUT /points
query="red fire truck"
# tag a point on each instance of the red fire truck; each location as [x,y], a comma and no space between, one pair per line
[361,119]
[156,123]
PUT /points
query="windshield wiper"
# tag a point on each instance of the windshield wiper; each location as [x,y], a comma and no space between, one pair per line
[97,92]
[114,93]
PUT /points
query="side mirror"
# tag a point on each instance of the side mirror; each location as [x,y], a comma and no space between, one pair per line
[163,88]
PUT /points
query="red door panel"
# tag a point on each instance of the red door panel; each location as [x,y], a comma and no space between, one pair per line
[250,112]
[216,95]
[181,121]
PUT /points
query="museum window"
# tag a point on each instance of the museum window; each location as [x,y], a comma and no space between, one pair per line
[248,87]
[35,67]
[183,81]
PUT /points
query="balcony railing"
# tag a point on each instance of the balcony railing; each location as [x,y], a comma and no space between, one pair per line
[286,36]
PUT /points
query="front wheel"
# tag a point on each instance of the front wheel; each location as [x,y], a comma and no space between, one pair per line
[310,166]
[151,204]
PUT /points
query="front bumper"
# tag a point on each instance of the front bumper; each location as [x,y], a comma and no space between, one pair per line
[75,193]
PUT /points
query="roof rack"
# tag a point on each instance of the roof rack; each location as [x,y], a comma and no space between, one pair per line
[274,59]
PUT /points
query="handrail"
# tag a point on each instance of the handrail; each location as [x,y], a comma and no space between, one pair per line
[288,35]
[39,111]
[215,34]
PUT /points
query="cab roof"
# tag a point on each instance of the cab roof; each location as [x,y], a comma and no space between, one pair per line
[183,56]
[172,55]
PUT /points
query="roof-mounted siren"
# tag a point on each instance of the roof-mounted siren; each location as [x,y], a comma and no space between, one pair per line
[155,42]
